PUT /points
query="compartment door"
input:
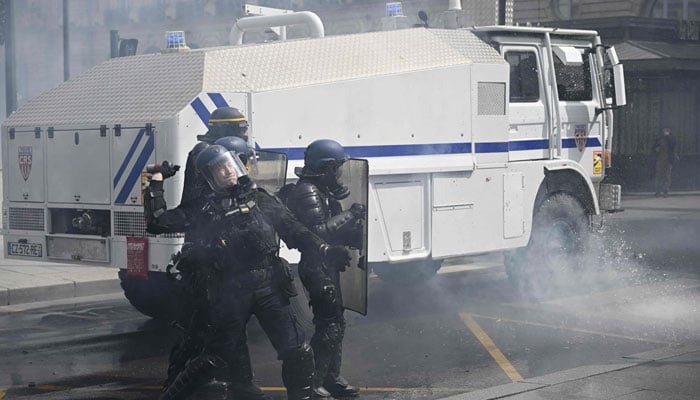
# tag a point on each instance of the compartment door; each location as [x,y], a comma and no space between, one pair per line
[25,166]
[401,203]
[79,163]
[528,133]
[453,214]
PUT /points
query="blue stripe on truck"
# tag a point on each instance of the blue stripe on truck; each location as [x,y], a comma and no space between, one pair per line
[129,154]
[135,173]
[218,100]
[201,111]
[297,153]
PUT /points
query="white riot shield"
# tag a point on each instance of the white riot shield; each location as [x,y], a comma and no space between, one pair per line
[353,281]
[268,169]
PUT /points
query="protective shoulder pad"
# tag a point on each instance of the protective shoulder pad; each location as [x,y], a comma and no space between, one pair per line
[307,203]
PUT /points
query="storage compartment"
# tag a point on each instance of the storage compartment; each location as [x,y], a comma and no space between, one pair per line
[402,213]
[79,161]
[77,248]
[77,221]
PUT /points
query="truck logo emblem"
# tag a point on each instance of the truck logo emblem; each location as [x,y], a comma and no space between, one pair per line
[25,161]
[580,135]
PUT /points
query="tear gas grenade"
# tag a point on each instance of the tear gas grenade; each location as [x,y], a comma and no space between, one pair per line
[166,168]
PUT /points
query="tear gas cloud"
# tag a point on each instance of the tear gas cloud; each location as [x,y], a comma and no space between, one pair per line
[629,276]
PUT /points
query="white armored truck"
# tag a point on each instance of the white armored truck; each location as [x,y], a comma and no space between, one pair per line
[476,139]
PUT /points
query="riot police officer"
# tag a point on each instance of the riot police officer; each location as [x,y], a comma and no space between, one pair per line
[227,126]
[238,146]
[223,122]
[247,276]
[315,202]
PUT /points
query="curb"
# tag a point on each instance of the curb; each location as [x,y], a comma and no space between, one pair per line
[535,383]
[57,291]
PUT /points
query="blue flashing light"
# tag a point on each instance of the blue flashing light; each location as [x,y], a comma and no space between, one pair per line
[393,9]
[175,40]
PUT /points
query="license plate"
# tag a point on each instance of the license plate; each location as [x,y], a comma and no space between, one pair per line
[24,249]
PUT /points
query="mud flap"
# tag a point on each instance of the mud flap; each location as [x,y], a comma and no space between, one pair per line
[353,281]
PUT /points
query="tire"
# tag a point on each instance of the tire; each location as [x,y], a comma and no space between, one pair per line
[410,273]
[555,254]
[154,297]
[300,304]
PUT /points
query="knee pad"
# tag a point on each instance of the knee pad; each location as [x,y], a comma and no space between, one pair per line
[300,354]
[333,333]
[298,366]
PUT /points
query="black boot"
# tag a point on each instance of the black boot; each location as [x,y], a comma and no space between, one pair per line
[321,393]
[339,387]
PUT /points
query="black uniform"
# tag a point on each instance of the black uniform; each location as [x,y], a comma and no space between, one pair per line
[249,278]
[314,205]
[223,122]
[240,376]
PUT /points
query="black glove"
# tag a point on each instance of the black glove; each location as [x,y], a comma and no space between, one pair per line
[359,211]
[354,238]
[337,257]
[168,169]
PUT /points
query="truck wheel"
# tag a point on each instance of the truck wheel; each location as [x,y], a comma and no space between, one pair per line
[300,305]
[153,297]
[554,255]
[409,273]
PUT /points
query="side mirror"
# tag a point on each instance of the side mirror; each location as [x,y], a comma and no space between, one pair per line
[619,79]
[614,80]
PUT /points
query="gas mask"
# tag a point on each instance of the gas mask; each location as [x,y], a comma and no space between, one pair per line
[331,178]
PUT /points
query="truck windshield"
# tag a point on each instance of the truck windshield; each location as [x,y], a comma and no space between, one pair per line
[573,81]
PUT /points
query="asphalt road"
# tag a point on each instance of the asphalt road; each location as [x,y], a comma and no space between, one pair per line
[465,329]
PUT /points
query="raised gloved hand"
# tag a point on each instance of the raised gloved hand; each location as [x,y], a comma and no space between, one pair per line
[359,211]
[168,169]
[336,256]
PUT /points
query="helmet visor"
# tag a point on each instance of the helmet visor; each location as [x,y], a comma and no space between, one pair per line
[224,171]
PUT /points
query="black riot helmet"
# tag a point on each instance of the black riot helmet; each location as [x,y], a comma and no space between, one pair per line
[222,170]
[226,121]
[323,159]
[238,146]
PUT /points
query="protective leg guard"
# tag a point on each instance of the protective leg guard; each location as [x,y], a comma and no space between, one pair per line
[194,370]
[335,384]
[298,372]
[241,386]
[326,341]
[182,352]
